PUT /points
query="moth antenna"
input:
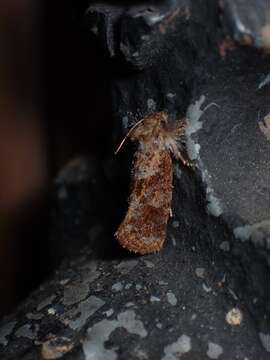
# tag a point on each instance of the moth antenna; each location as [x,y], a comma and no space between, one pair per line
[128,135]
[209,105]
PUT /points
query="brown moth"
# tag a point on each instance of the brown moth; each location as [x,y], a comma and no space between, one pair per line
[143,229]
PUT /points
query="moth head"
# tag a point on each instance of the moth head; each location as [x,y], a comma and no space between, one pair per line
[150,126]
[156,126]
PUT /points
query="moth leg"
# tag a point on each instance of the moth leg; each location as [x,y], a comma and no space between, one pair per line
[177,153]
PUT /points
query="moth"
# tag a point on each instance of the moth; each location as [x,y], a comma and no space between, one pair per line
[158,139]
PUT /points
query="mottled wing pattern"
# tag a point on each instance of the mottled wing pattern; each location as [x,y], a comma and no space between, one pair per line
[143,229]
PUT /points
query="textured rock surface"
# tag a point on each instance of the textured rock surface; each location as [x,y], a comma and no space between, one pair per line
[248,23]
[229,143]
[206,295]
[110,305]
[152,307]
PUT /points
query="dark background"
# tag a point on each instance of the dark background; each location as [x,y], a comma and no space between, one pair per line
[55,105]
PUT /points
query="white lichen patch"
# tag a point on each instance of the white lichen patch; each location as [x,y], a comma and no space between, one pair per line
[265,340]
[194,113]
[213,207]
[128,321]
[94,345]
[117,287]
[171,298]
[258,233]
[214,350]
[178,348]
[234,317]
[76,318]
[194,124]
[138,287]
[5,331]
[154,299]
[200,272]
[243,232]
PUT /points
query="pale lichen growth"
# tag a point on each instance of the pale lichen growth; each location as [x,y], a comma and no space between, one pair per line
[171,298]
[214,350]
[257,233]
[99,334]
[194,124]
[178,348]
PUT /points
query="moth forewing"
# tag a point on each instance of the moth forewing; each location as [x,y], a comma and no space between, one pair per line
[143,229]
